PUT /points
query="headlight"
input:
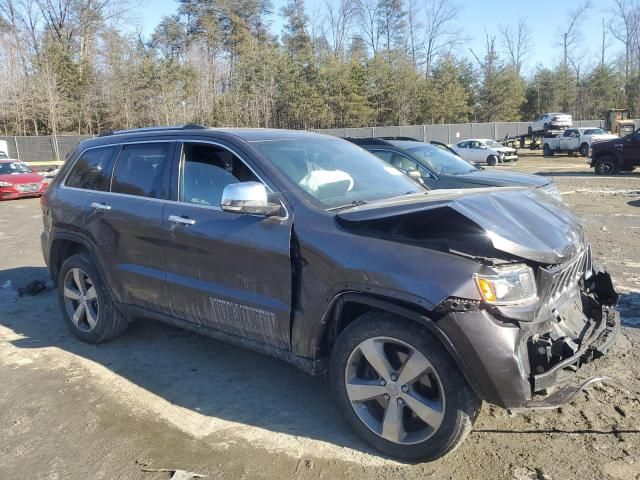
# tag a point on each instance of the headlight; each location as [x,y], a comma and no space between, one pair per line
[510,284]
[552,190]
[6,184]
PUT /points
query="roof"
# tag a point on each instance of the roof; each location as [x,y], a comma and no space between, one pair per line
[248,134]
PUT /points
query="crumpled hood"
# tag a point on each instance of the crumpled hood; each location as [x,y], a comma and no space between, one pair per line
[507,150]
[522,222]
[503,179]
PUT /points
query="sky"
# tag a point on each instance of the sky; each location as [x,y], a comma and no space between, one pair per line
[544,17]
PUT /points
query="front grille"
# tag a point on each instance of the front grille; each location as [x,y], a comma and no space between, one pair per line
[565,277]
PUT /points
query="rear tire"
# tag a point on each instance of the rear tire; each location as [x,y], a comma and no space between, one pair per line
[584,149]
[530,130]
[492,160]
[439,392]
[607,166]
[86,303]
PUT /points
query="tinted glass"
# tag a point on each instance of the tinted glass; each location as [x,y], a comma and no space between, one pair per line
[92,170]
[442,161]
[3,155]
[142,170]
[207,170]
[400,161]
[636,136]
[335,172]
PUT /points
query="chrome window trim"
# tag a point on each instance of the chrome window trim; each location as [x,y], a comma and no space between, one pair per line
[172,202]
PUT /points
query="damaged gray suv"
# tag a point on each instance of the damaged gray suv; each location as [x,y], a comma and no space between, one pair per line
[419,304]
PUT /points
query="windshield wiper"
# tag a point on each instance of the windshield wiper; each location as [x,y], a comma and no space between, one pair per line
[355,203]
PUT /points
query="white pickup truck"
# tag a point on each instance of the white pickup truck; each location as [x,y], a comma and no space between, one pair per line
[574,140]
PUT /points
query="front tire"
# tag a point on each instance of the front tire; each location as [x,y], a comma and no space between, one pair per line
[607,166]
[86,303]
[492,160]
[399,389]
[584,149]
[546,150]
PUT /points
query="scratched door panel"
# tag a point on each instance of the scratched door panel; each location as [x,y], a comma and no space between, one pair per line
[230,271]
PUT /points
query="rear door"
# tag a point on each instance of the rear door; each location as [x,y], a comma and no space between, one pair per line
[225,270]
[125,224]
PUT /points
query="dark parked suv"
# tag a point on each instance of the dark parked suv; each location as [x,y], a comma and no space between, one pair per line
[419,304]
[610,157]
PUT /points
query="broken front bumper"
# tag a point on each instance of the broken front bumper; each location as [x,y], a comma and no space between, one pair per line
[601,340]
[495,357]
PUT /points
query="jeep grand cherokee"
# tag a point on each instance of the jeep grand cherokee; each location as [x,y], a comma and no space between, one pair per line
[419,304]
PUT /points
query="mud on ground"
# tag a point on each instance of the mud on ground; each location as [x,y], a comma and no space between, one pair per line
[160,397]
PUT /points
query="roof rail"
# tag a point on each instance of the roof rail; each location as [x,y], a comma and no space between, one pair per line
[401,138]
[188,126]
[367,141]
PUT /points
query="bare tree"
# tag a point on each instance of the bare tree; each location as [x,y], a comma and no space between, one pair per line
[517,43]
[440,32]
[571,35]
[625,27]
[340,19]
[367,19]
[413,25]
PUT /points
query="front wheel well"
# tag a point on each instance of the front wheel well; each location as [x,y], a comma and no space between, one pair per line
[61,250]
[348,308]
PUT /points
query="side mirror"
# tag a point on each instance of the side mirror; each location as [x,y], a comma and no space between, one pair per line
[483,147]
[250,198]
[415,174]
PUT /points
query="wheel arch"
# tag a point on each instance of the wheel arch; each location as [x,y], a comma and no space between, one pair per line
[62,247]
[348,306]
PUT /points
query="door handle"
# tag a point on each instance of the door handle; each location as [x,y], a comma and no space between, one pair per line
[100,206]
[181,220]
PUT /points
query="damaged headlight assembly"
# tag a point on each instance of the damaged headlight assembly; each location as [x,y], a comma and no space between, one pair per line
[509,285]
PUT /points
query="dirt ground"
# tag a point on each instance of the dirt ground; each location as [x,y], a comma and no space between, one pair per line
[159,397]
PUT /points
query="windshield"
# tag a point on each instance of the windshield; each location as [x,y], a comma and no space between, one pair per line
[13,167]
[493,144]
[335,172]
[442,161]
[594,131]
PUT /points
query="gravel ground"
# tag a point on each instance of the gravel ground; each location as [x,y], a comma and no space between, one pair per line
[160,397]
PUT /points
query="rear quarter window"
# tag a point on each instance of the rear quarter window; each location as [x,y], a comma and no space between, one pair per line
[92,170]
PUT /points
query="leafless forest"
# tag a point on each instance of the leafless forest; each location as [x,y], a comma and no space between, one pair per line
[79,66]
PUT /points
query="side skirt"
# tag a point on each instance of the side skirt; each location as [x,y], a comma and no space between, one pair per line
[308,365]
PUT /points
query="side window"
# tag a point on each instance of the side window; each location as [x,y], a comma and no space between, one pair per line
[142,170]
[92,171]
[383,154]
[206,170]
[463,145]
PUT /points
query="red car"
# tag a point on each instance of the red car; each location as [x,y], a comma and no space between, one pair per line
[17,180]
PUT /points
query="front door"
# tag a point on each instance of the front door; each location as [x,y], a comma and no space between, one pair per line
[632,151]
[225,270]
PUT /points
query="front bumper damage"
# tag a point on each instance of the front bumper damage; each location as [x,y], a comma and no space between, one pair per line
[533,364]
